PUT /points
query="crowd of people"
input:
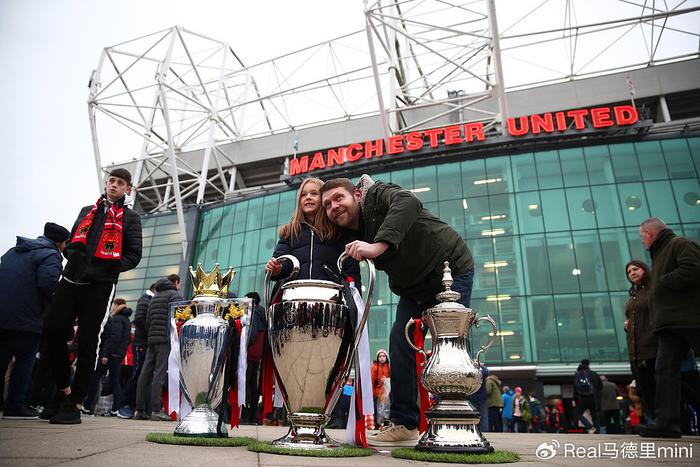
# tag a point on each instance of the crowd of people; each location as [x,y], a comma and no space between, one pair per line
[41,302]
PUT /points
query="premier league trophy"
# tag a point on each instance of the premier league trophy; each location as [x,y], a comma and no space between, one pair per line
[314,335]
[452,375]
[202,354]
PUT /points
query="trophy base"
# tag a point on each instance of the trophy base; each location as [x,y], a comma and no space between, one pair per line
[202,422]
[453,426]
[307,431]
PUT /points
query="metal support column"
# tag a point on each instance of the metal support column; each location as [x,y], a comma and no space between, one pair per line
[498,84]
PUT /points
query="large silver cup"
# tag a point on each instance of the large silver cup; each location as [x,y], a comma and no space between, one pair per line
[452,375]
[202,357]
[313,339]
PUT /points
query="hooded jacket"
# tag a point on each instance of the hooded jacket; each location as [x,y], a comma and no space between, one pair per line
[158,312]
[675,282]
[116,335]
[419,243]
[141,328]
[494,391]
[29,273]
[84,267]
[507,398]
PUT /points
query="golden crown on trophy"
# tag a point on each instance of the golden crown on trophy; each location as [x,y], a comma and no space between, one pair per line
[212,284]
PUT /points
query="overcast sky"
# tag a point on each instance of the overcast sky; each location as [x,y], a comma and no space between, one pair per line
[48,49]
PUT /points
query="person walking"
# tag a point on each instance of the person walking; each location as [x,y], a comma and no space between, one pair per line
[507,398]
[609,406]
[587,386]
[495,403]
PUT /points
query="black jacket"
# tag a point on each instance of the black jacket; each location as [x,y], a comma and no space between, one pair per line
[140,325]
[29,273]
[419,242]
[675,282]
[641,342]
[83,266]
[116,335]
[158,312]
[313,253]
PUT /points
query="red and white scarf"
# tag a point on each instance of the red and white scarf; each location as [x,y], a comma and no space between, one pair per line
[110,244]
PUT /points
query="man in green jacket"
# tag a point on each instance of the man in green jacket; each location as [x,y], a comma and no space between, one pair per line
[411,245]
[675,318]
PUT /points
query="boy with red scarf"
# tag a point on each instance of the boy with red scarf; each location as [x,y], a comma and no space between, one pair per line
[105,241]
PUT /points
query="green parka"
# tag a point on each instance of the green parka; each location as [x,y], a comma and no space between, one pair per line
[419,242]
[675,282]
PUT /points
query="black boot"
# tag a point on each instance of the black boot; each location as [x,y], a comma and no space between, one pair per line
[52,407]
[68,414]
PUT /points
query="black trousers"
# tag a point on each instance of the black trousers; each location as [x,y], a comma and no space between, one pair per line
[495,420]
[89,304]
[673,348]
[643,371]
[129,393]
[152,378]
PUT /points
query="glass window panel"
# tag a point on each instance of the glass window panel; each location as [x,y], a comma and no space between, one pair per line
[619,301]
[138,273]
[403,178]
[225,252]
[661,201]
[687,199]
[432,208]
[694,146]
[498,175]
[506,265]
[678,160]
[581,208]
[452,212]
[426,178]
[554,210]
[159,272]
[235,255]
[215,224]
[270,208]
[484,278]
[535,265]
[254,216]
[246,282]
[502,213]
[548,169]
[227,219]
[205,220]
[651,161]
[268,241]
[615,255]
[529,209]
[607,206]
[624,161]
[474,178]
[166,219]
[200,253]
[572,328]
[381,290]
[239,217]
[212,254]
[166,239]
[637,250]
[524,173]
[589,261]
[250,247]
[134,284]
[562,263]
[573,167]
[449,181]
[477,213]
[145,243]
[166,249]
[168,229]
[146,231]
[544,327]
[598,163]
[480,335]
[633,202]
[286,207]
[165,260]
[378,325]
[600,325]
[149,221]
[692,232]
[512,319]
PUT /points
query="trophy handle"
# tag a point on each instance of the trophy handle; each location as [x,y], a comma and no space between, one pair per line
[268,276]
[410,342]
[489,320]
[368,299]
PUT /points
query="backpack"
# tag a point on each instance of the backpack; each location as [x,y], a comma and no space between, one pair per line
[582,383]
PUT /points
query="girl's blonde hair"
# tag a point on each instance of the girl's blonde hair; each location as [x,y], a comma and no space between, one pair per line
[323,227]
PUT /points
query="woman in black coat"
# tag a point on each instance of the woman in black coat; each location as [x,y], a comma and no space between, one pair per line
[312,239]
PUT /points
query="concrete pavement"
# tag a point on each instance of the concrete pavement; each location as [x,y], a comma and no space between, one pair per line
[108,442]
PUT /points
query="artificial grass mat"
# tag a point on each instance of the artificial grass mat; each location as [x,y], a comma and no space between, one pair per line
[496,457]
[169,438]
[344,451]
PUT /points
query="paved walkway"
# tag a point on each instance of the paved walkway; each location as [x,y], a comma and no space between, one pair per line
[107,442]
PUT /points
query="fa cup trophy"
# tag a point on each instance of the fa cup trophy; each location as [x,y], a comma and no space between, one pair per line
[314,335]
[452,375]
[202,354]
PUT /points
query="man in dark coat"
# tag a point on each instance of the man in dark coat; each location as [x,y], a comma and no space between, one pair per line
[105,241]
[155,366]
[29,273]
[138,346]
[675,306]
[411,245]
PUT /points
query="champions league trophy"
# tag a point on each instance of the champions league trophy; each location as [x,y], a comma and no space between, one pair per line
[452,375]
[314,336]
[202,354]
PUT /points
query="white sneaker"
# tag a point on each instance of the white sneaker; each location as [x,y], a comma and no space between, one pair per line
[592,430]
[394,435]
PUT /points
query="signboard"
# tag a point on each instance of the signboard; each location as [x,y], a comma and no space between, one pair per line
[453,135]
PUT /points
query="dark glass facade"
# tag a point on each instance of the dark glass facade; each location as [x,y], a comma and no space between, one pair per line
[550,232]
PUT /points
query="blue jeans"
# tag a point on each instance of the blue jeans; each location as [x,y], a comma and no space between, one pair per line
[23,346]
[404,379]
